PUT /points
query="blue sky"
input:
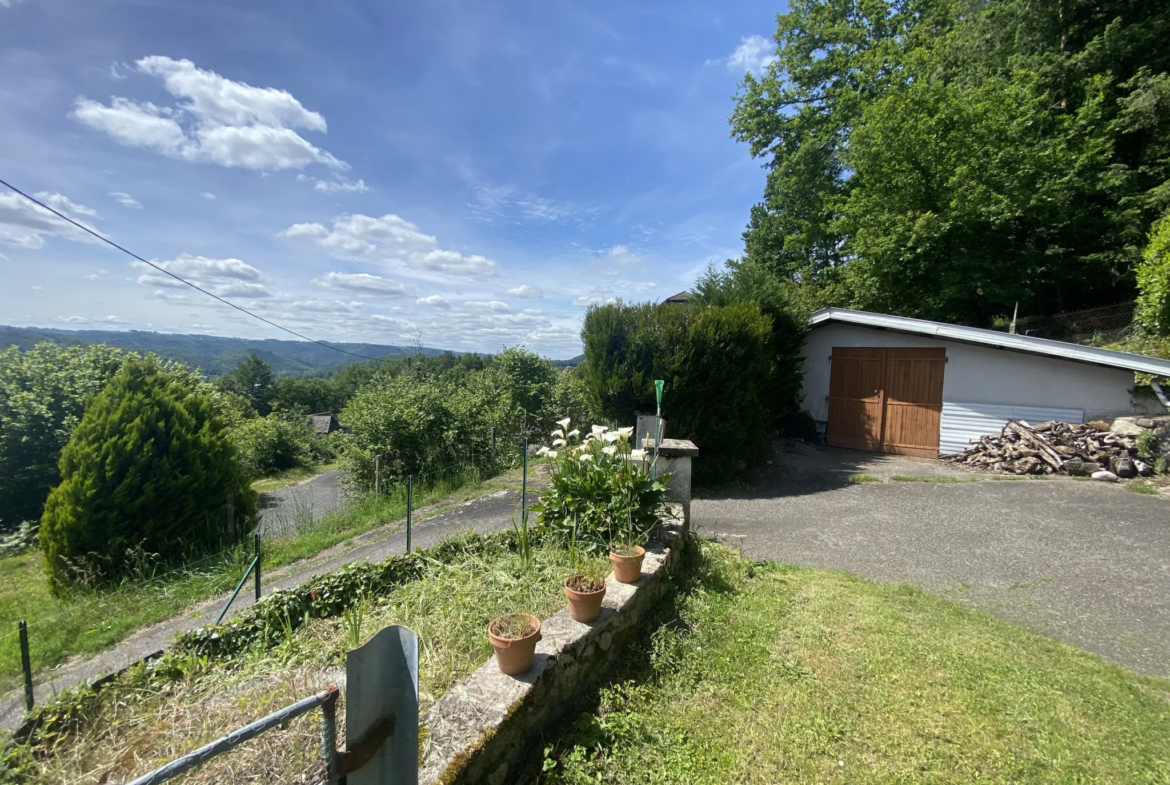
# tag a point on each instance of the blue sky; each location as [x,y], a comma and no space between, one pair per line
[477,173]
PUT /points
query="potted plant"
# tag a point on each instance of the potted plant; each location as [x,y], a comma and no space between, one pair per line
[585,593]
[514,637]
[627,562]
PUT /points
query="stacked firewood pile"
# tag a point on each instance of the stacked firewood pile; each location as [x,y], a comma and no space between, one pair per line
[1055,448]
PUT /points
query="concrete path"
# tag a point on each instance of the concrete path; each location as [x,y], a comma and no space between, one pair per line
[285,511]
[489,513]
[1083,561]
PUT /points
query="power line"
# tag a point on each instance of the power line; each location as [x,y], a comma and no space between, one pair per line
[196,287]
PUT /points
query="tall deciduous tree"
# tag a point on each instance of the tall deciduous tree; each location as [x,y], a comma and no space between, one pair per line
[253,378]
[948,159]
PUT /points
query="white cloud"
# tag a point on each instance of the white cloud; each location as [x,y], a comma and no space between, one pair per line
[754,54]
[361,283]
[586,300]
[620,254]
[38,288]
[391,240]
[434,301]
[526,292]
[111,319]
[340,185]
[325,306]
[125,199]
[208,195]
[71,319]
[495,306]
[24,224]
[216,120]
[222,277]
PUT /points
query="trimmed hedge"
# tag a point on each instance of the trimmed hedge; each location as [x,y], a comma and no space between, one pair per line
[718,366]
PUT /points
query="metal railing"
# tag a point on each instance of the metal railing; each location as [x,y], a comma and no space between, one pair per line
[326,700]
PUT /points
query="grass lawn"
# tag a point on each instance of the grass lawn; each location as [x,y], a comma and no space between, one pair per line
[139,723]
[767,673]
[91,622]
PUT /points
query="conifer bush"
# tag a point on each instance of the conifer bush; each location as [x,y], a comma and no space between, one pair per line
[144,481]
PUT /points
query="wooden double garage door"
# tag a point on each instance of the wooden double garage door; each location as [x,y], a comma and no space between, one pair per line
[886,400]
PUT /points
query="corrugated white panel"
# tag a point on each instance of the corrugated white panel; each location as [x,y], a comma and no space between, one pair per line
[963,423]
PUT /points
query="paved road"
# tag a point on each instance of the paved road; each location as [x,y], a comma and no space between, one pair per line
[485,514]
[1083,561]
[284,512]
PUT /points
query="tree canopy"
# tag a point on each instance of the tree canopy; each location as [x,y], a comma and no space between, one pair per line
[950,158]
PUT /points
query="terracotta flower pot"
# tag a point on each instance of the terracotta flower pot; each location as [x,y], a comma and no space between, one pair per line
[584,606]
[628,569]
[514,654]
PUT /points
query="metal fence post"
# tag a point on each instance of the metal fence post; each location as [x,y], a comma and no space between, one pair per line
[377,476]
[26,665]
[409,504]
[329,737]
[524,484]
[231,516]
[257,543]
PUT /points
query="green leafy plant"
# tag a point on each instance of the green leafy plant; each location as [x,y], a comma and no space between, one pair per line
[602,492]
[149,468]
[354,617]
[1147,444]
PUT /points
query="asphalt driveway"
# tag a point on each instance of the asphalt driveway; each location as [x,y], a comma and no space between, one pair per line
[1082,561]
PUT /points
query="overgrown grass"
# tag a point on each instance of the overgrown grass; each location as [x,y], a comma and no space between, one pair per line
[1141,487]
[90,622]
[139,722]
[860,478]
[771,673]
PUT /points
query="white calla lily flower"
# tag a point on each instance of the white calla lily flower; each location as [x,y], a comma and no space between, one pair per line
[625,432]
[542,451]
[599,429]
[612,436]
[585,457]
[564,423]
[557,434]
[552,453]
[558,442]
[610,450]
[572,433]
[638,455]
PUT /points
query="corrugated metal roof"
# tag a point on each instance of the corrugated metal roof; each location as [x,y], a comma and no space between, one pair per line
[963,423]
[998,340]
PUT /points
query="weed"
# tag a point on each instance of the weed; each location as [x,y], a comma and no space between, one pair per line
[941,479]
[859,478]
[1141,487]
[354,616]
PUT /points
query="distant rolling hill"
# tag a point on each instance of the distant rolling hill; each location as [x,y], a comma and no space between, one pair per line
[214,355]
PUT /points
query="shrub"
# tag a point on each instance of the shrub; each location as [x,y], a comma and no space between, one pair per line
[267,445]
[602,491]
[146,471]
[430,426]
[1153,280]
[717,362]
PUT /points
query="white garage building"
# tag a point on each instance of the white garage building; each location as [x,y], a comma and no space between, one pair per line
[915,387]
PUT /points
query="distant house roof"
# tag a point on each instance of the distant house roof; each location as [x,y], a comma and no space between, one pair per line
[681,297]
[993,338]
[325,422]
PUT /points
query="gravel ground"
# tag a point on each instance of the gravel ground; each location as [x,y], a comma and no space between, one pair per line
[1082,561]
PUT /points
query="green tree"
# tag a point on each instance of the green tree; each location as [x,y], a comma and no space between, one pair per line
[146,472]
[43,392]
[530,381]
[949,159]
[1153,275]
[253,379]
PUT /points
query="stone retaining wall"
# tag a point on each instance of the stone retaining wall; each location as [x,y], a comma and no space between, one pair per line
[489,725]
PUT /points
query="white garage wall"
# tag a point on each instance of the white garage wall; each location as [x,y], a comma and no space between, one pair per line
[980,374]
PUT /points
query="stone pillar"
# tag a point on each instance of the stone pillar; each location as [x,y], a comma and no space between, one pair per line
[674,455]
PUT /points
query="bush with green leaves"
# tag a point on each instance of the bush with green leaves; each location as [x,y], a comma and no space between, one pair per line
[1153,280]
[431,427]
[602,491]
[719,366]
[146,473]
[272,444]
